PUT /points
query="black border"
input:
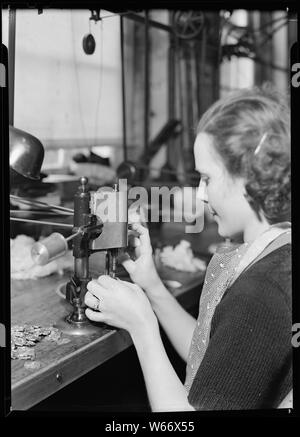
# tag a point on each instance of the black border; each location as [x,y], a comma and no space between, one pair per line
[5,263]
[142,418]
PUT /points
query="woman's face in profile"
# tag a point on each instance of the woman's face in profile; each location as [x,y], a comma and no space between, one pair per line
[223,194]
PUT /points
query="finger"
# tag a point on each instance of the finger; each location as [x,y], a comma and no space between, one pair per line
[136,241]
[131,285]
[90,300]
[96,289]
[127,262]
[122,256]
[138,251]
[129,265]
[133,238]
[96,316]
[143,233]
[107,282]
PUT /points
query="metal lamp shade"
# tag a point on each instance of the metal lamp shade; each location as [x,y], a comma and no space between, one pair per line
[26,153]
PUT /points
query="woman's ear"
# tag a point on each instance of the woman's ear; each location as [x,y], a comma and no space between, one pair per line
[241,185]
[259,213]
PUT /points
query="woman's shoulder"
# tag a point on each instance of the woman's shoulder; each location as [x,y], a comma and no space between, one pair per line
[269,279]
[276,266]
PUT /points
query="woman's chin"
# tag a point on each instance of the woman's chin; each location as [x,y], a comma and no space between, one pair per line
[236,236]
[221,231]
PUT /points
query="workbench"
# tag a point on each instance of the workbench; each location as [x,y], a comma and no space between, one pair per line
[37,302]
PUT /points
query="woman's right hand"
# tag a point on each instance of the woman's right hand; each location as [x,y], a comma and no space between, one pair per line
[142,271]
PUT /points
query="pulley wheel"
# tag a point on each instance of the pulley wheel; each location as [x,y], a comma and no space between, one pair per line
[188,24]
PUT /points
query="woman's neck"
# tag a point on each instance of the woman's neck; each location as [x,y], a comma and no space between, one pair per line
[254,229]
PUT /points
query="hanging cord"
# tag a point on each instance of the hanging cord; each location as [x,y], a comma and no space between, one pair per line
[123,88]
[77,79]
[100,83]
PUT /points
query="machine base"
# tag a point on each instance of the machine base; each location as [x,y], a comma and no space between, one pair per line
[78,328]
[68,326]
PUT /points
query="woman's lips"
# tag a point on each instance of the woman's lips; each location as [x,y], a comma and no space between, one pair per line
[212,211]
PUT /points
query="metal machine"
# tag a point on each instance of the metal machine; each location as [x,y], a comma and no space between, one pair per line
[90,234]
[92,230]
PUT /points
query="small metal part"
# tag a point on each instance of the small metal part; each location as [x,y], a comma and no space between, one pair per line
[54,335]
[114,254]
[62,341]
[107,263]
[95,15]
[19,334]
[45,331]
[84,181]
[32,365]
[25,353]
[48,249]
[20,341]
[32,337]
[30,343]
[17,328]
[58,377]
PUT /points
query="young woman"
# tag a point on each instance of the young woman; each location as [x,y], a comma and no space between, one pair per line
[238,352]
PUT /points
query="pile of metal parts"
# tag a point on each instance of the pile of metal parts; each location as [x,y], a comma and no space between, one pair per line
[25,337]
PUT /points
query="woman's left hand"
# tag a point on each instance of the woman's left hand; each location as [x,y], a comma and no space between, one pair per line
[119,303]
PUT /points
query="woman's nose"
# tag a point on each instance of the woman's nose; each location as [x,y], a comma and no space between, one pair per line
[201,192]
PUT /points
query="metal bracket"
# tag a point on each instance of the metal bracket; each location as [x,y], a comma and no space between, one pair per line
[95,15]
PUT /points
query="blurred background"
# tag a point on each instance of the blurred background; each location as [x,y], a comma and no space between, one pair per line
[99,87]
[174,63]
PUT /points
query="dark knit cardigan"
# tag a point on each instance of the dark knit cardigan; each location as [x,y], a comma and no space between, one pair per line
[248,362]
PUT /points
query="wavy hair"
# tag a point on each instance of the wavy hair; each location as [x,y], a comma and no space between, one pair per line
[251,133]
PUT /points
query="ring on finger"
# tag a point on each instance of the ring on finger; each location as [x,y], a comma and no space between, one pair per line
[97,306]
